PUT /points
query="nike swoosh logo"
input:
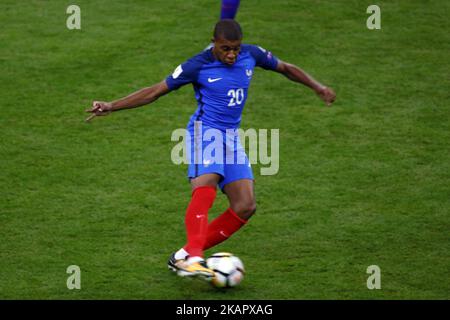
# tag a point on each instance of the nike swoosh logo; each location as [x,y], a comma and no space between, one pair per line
[224,234]
[210,80]
[200,216]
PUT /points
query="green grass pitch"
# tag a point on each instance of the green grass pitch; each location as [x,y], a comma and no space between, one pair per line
[363,183]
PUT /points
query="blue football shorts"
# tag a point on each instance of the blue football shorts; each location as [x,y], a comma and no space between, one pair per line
[216,151]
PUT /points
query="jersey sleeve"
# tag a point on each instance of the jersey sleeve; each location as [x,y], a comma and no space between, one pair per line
[185,73]
[263,58]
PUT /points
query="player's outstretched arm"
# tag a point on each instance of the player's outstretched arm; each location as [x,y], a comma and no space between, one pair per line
[134,100]
[296,74]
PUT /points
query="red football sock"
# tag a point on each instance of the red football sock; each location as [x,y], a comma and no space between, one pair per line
[221,228]
[197,219]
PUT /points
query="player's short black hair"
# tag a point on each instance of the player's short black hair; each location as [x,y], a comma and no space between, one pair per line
[228,29]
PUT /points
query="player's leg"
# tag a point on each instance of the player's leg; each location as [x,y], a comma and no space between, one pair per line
[204,176]
[196,221]
[229,9]
[241,196]
[237,184]
[208,179]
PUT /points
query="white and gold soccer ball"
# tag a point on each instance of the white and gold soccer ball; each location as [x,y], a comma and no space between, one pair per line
[229,269]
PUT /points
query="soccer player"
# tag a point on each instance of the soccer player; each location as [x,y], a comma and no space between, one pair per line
[220,77]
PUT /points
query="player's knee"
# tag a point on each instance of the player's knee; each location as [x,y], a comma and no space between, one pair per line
[245,209]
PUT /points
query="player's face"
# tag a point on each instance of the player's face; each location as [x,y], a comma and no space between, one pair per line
[226,50]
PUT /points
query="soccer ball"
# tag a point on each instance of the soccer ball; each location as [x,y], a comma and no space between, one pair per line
[229,269]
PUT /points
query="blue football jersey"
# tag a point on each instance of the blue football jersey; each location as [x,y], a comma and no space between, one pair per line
[220,89]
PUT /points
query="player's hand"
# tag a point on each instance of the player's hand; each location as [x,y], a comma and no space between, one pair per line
[99,108]
[327,95]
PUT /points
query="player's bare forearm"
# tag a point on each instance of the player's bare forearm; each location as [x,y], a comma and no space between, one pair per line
[294,73]
[134,100]
[140,97]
